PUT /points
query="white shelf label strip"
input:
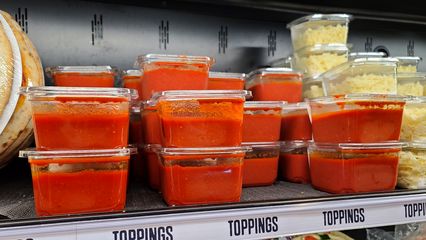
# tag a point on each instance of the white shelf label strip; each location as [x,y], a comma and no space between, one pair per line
[251,223]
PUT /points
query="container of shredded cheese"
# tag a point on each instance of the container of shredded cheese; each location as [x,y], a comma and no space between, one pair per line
[408,64]
[312,88]
[412,166]
[413,84]
[414,120]
[362,75]
[319,29]
[319,58]
[355,55]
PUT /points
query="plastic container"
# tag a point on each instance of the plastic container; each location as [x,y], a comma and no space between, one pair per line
[413,84]
[356,118]
[355,55]
[414,120]
[411,168]
[78,181]
[80,118]
[361,75]
[261,164]
[132,79]
[319,29]
[294,164]
[275,84]
[173,72]
[82,76]
[354,167]
[295,122]
[137,165]
[312,88]
[408,64]
[211,118]
[317,59]
[201,175]
[286,62]
[153,165]
[151,123]
[262,121]
[226,81]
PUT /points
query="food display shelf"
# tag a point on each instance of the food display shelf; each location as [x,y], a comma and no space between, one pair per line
[282,209]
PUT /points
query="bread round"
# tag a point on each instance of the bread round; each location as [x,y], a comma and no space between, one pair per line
[6,69]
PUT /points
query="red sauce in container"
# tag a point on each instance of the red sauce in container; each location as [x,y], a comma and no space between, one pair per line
[225,81]
[295,124]
[294,164]
[262,121]
[260,171]
[133,82]
[84,80]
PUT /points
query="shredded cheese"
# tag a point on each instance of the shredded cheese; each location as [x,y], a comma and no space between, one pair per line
[364,83]
[323,34]
[412,169]
[314,64]
[414,122]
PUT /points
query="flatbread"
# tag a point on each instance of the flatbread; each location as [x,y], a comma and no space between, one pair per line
[18,132]
[6,69]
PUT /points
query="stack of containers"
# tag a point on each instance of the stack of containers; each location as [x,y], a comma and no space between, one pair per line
[196,133]
[80,164]
[319,44]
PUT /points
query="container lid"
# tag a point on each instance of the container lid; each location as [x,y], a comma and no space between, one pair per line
[46,92]
[295,106]
[34,154]
[131,72]
[360,97]
[227,75]
[261,145]
[136,107]
[150,58]
[415,76]
[421,145]
[200,94]
[410,60]
[80,69]
[264,104]
[357,146]
[271,72]
[290,145]
[320,17]
[152,147]
[320,48]
[283,62]
[354,55]
[203,151]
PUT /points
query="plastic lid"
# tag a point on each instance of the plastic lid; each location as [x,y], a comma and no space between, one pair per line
[136,107]
[419,76]
[295,106]
[264,104]
[354,55]
[319,17]
[320,48]
[283,62]
[227,75]
[385,60]
[271,71]
[360,97]
[149,58]
[34,154]
[52,91]
[416,145]
[152,147]
[356,146]
[131,72]
[289,145]
[80,69]
[261,145]
[409,60]
[200,94]
[203,151]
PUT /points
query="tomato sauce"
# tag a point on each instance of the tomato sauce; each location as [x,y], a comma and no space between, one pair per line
[74,192]
[202,123]
[296,126]
[151,125]
[133,82]
[261,127]
[260,171]
[368,173]
[358,125]
[162,76]
[290,91]
[84,80]
[225,84]
[186,185]
[294,167]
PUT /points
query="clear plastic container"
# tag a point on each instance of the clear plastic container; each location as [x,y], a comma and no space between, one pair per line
[132,79]
[408,64]
[275,84]
[317,59]
[412,166]
[137,165]
[201,175]
[361,75]
[312,88]
[173,72]
[80,118]
[355,55]
[211,118]
[294,164]
[413,84]
[226,81]
[153,165]
[82,76]
[151,123]
[286,62]
[78,181]
[414,120]
[262,121]
[319,29]
[261,164]
[354,167]
[295,122]
[361,118]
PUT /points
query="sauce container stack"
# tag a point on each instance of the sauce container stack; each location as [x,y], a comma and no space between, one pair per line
[80,163]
